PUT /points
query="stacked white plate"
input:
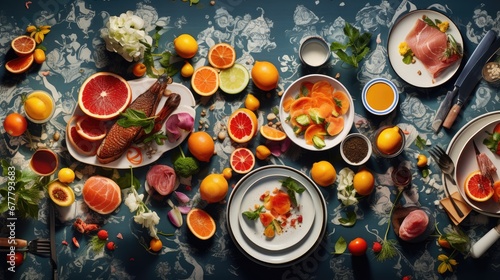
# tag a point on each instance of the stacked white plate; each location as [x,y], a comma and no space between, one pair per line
[295,243]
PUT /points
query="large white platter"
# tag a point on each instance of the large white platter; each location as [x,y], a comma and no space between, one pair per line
[408,72]
[462,153]
[138,87]
[330,141]
[254,230]
[291,254]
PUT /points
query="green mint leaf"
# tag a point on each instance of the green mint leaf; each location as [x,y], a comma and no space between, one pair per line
[337,46]
[253,215]
[350,220]
[408,57]
[127,181]
[429,22]
[340,246]
[420,142]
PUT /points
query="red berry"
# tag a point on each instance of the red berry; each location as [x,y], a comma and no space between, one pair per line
[407,277]
[111,246]
[102,234]
[300,218]
[377,247]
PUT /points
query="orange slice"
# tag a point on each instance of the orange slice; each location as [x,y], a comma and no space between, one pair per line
[205,80]
[242,160]
[23,45]
[200,223]
[477,187]
[272,133]
[20,64]
[221,56]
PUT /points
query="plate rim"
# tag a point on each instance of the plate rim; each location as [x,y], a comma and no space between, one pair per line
[487,118]
[323,220]
[143,82]
[348,121]
[393,60]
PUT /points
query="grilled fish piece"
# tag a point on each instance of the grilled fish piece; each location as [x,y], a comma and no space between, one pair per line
[119,138]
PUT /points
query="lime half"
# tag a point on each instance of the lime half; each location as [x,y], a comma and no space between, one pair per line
[234,79]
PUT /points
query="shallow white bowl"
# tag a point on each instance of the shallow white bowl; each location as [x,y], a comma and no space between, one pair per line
[330,141]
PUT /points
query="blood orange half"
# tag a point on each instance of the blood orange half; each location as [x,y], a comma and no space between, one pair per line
[221,56]
[20,64]
[81,145]
[90,128]
[242,125]
[477,187]
[242,160]
[200,223]
[23,45]
[104,95]
[205,80]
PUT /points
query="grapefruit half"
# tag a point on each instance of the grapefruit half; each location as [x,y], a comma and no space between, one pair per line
[104,96]
[242,160]
[242,125]
[477,187]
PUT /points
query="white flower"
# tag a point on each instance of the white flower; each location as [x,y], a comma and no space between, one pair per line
[345,191]
[133,201]
[124,35]
[148,220]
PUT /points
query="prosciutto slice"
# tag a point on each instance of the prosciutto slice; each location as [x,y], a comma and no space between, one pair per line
[413,225]
[162,178]
[429,45]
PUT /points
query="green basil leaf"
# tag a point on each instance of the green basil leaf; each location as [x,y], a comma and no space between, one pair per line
[340,246]
[350,220]
[337,46]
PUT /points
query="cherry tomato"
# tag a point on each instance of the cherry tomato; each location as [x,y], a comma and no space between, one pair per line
[357,246]
[18,258]
[15,124]
[139,69]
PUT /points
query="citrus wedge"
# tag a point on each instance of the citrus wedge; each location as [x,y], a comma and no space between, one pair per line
[20,64]
[200,223]
[272,133]
[234,79]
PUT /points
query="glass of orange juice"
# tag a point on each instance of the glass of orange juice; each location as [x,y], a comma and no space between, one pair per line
[39,106]
[380,96]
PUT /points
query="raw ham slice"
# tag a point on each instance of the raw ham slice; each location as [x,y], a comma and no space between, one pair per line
[429,45]
[413,225]
[162,178]
[101,194]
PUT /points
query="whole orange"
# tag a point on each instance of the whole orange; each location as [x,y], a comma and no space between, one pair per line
[265,75]
[185,46]
[363,182]
[15,124]
[139,69]
[201,145]
[213,188]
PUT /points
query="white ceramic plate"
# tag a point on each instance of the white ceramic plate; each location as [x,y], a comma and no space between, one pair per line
[460,144]
[330,141]
[254,230]
[138,87]
[290,255]
[408,72]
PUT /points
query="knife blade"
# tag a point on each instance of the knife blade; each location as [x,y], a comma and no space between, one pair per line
[52,234]
[472,65]
[471,81]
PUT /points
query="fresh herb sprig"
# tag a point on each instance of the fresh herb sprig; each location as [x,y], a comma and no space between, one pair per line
[132,117]
[356,48]
[97,244]
[164,61]
[158,137]
[389,246]
[292,187]
[254,215]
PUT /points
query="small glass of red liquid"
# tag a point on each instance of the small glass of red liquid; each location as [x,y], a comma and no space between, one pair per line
[44,162]
[401,176]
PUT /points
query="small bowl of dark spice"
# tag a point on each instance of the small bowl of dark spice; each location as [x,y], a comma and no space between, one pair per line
[356,149]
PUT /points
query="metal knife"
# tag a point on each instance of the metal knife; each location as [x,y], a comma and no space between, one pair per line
[470,83]
[52,233]
[475,62]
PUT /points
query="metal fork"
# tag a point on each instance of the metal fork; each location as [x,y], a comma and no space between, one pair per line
[39,246]
[447,166]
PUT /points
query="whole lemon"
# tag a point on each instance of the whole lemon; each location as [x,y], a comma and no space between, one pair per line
[201,145]
[187,70]
[39,56]
[185,46]
[323,173]
[389,140]
[265,75]
[36,108]
[363,182]
[213,188]
[66,175]
[251,102]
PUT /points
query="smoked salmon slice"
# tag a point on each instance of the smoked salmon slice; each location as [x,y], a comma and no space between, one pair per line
[101,194]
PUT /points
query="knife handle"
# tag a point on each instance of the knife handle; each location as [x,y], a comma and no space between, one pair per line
[485,242]
[452,115]
[18,243]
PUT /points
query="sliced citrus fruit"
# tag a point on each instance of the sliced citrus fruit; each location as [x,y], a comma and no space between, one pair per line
[477,187]
[90,128]
[205,80]
[272,133]
[23,45]
[221,56]
[242,125]
[81,145]
[200,223]
[20,64]
[496,188]
[234,79]
[104,95]
[242,160]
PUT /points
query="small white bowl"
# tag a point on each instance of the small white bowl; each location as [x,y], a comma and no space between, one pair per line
[351,161]
[386,90]
[314,51]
